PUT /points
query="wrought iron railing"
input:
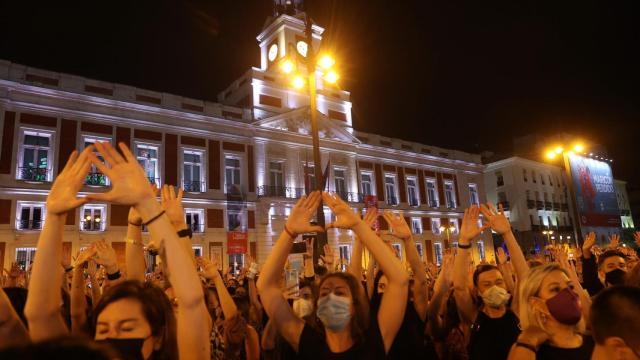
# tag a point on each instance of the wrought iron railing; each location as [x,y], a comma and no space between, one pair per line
[413,201]
[193,186]
[96,179]
[29,224]
[392,200]
[196,228]
[279,191]
[531,204]
[505,205]
[31,173]
[540,205]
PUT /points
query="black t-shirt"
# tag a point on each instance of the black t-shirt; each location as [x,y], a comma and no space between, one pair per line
[492,338]
[410,342]
[313,345]
[548,352]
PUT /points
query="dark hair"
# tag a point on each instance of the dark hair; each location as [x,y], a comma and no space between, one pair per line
[18,298]
[311,285]
[67,347]
[156,308]
[360,321]
[534,263]
[615,312]
[481,269]
[609,253]
[320,270]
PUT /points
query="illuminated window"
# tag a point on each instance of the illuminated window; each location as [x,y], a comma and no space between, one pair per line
[437,247]
[432,193]
[30,215]
[366,182]
[195,219]
[35,161]
[192,171]
[412,192]
[416,225]
[390,189]
[449,194]
[232,172]
[435,225]
[93,217]
[481,249]
[24,256]
[473,194]
[338,180]
[95,177]
[147,156]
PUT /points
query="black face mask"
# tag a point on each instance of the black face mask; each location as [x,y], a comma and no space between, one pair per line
[231,290]
[615,277]
[129,349]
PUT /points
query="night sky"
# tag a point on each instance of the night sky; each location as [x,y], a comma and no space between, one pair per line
[467,75]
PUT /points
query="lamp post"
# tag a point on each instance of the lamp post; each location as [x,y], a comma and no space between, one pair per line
[447,230]
[312,60]
[548,233]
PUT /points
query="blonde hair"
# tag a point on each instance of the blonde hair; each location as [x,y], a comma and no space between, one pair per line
[530,287]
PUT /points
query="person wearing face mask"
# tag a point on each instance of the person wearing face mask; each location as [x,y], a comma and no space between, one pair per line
[615,323]
[610,269]
[341,306]
[551,318]
[494,327]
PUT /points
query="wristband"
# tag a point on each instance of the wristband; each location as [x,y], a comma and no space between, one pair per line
[153,218]
[134,242]
[291,235]
[134,224]
[185,233]
[466,247]
[527,346]
[115,276]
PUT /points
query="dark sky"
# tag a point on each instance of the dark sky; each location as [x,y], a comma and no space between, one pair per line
[459,74]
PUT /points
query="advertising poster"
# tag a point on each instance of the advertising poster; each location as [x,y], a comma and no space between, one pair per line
[595,192]
[237,242]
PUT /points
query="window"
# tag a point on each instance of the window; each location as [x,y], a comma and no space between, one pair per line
[366,181]
[397,248]
[437,247]
[147,156]
[192,171]
[30,216]
[550,182]
[449,195]
[546,197]
[95,177]
[276,175]
[533,176]
[499,178]
[236,262]
[345,256]
[234,220]
[420,250]
[542,179]
[412,192]
[528,193]
[416,225]
[473,194]
[197,250]
[93,217]
[231,172]
[24,256]
[502,197]
[432,193]
[35,156]
[481,249]
[524,175]
[435,226]
[338,181]
[195,219]
[390,189]
[310,181]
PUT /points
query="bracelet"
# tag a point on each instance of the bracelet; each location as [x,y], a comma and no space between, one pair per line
[134,224]
[115,276]
[134,242]
[466,247]
[153,218]
[527,346]
[185,233]
[291,235]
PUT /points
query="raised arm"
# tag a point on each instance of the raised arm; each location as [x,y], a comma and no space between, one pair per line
[210,271]
[394,302]
[401,230]
[172,204]
[256,315]
[500,224]
[468,231]
[12,330]
[134,250]
[78,299]
[42,309]
[131,187]
[279,311]
[355,268]
[505,269]
[441,287]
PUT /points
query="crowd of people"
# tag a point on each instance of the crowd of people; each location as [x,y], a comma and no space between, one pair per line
[566,305]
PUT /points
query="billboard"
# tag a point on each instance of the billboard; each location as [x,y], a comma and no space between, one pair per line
[595,192]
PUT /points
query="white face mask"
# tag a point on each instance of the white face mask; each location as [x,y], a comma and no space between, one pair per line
[302,307]
[495,296]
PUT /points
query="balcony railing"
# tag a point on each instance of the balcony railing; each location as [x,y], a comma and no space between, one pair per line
[154,180]
[500,182]
[193,186]
[33,173]
[433,204]
[535,227]
[279,191]
[625,212]
[413,201]
[531,204]
[505,205]
[196,228]
[96,179]
[92,226]
[29,224]
[556,206]
[392,200]
[548,206]
[564,207]
[540,205]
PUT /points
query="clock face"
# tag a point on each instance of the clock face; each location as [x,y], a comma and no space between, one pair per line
[302,48]
[273,52]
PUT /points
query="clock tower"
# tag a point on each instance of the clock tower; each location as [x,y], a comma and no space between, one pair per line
[268,91]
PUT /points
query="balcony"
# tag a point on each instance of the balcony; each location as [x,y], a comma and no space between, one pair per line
[500,182]
[350,196]
[565,207]
[33,174]
[392,200]
[29,224]
[196,228]
[433,204]
[413,201]
[96,179]
[535,228]
[625,212]
[92,225]
[154,180]
[279,191]
[505,205]
[531,204]
[548,206]
[556,206]
[540,205]
[193,186]
[451,205]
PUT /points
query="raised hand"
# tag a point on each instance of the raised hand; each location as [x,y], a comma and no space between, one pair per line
[310,243]
[64,191]
[328,257]
[636,237]
[130,185]
[346,218]
[589,241]
[470,229]
[614,241]
[502,257]
[172,204]
[301,214]
[209,268]
[106,256]
[496,218]
[398,225]
[84,255]
[92,268]
[370,217]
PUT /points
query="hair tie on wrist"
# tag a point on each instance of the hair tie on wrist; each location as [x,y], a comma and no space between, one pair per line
[291,235]
[134,224]
[153,218]
[462,246]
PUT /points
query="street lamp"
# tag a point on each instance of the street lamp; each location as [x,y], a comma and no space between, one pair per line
[548,233]
[448,230]
[314,63]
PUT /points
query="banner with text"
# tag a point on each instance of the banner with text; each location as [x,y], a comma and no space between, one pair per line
[237,242]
